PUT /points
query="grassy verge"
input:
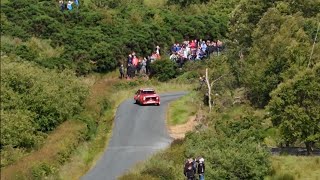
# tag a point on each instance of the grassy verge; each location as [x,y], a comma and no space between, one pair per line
[180,110]
[294,167]
[54,152]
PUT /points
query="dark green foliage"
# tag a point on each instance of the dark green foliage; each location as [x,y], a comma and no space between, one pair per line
[160,171]
[164,70]
[97,40]
[294,107]
[247,127]
[185,3]
[26,53]
[280,49]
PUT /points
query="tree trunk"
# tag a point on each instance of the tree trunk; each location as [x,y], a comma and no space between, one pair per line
[209,90]
[309,148]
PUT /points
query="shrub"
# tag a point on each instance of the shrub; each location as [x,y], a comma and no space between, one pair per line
[18,130]
[164,70]
[35,101]
[160,170]
[42,170]
[10,155]
[188,77]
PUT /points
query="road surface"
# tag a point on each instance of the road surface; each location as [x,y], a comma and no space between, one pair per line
[139,131]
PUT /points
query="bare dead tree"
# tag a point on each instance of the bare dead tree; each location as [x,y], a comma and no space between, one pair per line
[314,43]
[210,85]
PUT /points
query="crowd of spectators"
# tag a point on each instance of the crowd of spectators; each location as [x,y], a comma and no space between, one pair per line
[194,50]
[140,66]
[68,5]
[180,53]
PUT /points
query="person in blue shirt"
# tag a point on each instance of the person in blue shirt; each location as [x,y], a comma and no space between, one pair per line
[76,2]
[69,5]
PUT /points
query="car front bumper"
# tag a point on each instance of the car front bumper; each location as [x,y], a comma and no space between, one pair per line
[151,102]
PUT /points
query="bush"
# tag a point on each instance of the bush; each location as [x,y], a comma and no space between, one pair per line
[160,169]
[10,155]
[42,170]
[18,130]
[188,77]
[164,70]
[35,101]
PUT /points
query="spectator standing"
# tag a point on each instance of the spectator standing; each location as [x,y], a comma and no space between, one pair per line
[143,66]
[135,61]
[201,169]
[139,66]
[158,50]
[129,71]
[148,62]
[121,70]
[69,5]
[129,61]
[62,5]
[76,2]
[204,46]
[189,170]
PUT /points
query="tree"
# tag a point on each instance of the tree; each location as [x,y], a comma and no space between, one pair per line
[210,85]
[218,80]
[294,108]
[280,49]
[184,3]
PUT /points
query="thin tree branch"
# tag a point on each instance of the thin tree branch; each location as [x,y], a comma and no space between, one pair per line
[314,43]
[217,79]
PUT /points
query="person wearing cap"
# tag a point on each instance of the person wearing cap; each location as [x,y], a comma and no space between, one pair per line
[201,169]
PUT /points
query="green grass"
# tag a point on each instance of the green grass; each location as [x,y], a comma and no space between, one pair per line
[295,167]
[180,110]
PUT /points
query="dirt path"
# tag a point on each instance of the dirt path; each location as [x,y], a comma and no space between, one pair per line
[179,131]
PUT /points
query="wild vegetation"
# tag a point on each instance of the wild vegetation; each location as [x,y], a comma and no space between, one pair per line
[268,87]
[34,102]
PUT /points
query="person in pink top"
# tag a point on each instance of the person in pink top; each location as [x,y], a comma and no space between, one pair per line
[135,61]
[193,44]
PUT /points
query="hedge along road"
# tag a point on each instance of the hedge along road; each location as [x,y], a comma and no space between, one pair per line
[139,131]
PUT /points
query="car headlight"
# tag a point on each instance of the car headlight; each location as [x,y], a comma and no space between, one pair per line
[157,98]
[144,98]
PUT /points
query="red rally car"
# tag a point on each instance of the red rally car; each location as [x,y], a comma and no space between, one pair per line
[147,96]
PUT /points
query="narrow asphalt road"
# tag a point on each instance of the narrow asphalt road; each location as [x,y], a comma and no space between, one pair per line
[139,131]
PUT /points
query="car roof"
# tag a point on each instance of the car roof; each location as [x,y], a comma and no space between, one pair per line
[146,89]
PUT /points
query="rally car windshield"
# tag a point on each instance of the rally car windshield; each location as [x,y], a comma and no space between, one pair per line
[148,92]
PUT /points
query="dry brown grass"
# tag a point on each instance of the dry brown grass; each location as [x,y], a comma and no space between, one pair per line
[88,153]
[179,131]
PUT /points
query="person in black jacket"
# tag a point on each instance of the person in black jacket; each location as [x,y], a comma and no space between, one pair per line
[189,170]
[201,169]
